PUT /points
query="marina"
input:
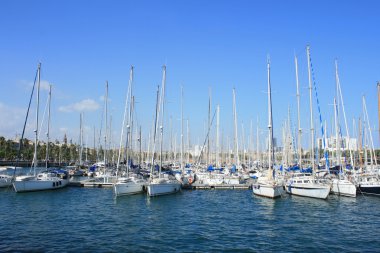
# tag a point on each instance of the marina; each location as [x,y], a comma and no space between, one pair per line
[189,126]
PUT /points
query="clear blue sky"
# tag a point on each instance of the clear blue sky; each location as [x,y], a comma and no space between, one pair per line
[217,44]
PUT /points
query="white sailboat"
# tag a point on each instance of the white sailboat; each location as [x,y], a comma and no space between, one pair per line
[268,186]
[127,184]
[305,184]
[47,180]
[162,184]
[341,185]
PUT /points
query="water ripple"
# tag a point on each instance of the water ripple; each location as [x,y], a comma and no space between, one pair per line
[92,220]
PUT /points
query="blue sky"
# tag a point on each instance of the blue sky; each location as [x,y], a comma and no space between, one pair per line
[217,44]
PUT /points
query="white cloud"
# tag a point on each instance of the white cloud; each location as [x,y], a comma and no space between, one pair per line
[12,120]
[44,84]
[84,105]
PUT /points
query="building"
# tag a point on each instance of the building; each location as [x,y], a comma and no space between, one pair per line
[331,144]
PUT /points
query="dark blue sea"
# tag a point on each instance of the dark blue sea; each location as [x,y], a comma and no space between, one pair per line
[92,220]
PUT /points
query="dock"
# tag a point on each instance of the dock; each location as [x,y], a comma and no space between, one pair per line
[196,186]
[91,184]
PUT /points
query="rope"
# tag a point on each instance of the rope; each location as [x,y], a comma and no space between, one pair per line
[320,117]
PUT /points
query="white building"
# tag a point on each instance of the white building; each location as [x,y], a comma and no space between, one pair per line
[331,144]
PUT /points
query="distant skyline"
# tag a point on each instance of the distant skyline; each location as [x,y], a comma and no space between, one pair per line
[206,45]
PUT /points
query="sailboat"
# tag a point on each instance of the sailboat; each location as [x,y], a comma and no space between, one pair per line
[46,180]
[305,184]
[369,183]
[341,185]
[127,184]
[162,184]
[268,186]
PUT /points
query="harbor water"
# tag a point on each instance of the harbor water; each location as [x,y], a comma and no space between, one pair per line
[92,220]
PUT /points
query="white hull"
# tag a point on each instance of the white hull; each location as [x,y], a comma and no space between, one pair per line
[312,190]
[39,185]
[268,190]
[5,181]
[128,188]
[343,188]
[156,189]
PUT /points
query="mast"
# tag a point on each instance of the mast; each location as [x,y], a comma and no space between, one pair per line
[155,131]
[182,141]
[80,139]
[209,126]
[344,113]
[298,117]
[35,161]
[188,141]
[48,131]
[236,144]
[106,122]
[336,134]
[124,119]
[217,137]
[140,142]
[163,111]
[360,142]
[378,105]
[257,141]
[370,131]
[270,127]
[311,110]
[243,142]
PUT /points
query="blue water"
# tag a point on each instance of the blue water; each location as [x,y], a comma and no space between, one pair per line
[92,220]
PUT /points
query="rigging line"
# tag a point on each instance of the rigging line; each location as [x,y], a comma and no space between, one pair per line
[23,129]
[208,133]
[320,116]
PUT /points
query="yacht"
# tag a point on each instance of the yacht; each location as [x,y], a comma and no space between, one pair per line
[304,184]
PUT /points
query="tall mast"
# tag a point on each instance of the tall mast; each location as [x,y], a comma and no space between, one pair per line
[270,122]
[217,137]
[344,113]
[106,122]
[360,142]
[124,119]
[155,131]
[80,139]
[37,112]
[236,144]
[298,117]
[378,105]
[311,110]
[370,132]
[48,130]
[336,133]
[182,142]
[209,126]
[188,141]
[140,144]
[163,111]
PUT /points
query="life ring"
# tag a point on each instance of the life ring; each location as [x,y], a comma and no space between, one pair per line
[190,180]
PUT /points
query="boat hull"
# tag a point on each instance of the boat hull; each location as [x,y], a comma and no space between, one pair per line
[373,189]
[5,181]
[311,191]
[163,189]
[269,191]
[39,185]
[343,188]
[129,188]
